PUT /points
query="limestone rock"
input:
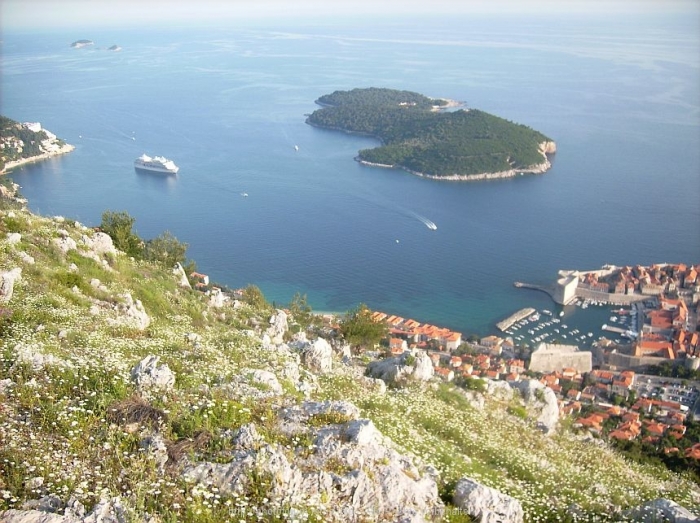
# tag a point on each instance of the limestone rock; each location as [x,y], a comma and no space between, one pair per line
[300,414]
[133,313]
[318,356]
[278,327]
[475,399]
[106,511]
[5,385]
[181,276]
[99,243]
[423,369]
[543,401]
[147,374]
[37,360]
[401,368]
[661,510]
[26,258]
[247,438]
[7,283]
[349,472]
[193,338]
[360,432]
[499,389]
[154,444]
[265,379]
[217,299]
[13,238]
[375,384]
[486,504]
[299,341]
[49,503]
[36,516]
[65,243]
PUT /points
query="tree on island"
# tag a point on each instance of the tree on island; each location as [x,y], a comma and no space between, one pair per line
[360,330]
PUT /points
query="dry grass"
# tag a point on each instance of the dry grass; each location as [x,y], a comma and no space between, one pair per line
[135,410]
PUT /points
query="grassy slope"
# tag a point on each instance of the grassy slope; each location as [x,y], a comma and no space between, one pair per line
[58,423]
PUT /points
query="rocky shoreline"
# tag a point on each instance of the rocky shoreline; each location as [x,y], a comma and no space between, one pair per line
[546,148]
[64,149]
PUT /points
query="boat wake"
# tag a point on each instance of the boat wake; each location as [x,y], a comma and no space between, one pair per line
[428,223]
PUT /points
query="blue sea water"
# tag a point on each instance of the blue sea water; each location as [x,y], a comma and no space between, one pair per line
[619,96]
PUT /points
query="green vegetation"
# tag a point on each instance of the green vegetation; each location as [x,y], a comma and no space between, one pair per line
[10,132]
[360,330]
[669,370]
[73,423]
[418,138]
[164,250]
[302,315]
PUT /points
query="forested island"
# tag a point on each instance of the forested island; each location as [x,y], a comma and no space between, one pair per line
[421,137]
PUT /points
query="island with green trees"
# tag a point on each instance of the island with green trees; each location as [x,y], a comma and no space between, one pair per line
[429,137]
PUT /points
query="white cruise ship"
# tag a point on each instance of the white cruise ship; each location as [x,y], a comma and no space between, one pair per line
[158,164]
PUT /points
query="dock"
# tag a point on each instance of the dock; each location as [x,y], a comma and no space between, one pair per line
[613,329]
[544,288]
[514,318]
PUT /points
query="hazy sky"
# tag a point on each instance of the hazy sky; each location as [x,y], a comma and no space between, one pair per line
[24,14]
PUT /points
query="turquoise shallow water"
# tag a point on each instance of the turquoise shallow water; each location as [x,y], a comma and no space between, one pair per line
[228,106]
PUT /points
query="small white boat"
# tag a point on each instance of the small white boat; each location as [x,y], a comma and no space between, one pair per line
[296,147]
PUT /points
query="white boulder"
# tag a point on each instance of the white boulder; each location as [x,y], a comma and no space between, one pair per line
[401,368]
[217,299]
[661,510]
[7,283]
[265,379]
[542,401]
[65,243]
[133,312]
[181,276]
[486,504]
[26,258]
[318,356]
[99,243]
[13,238]
[147,374]
[278,327]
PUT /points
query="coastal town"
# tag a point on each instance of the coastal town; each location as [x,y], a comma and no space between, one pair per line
[607,387]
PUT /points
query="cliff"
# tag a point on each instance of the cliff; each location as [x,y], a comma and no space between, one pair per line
[127,396]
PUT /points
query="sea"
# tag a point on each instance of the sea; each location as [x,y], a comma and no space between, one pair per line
[263,198]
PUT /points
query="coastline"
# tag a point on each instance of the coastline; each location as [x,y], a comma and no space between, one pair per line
[9,166]
[546,148]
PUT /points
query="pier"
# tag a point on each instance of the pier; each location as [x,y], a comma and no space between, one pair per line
[613,329]
[514,318]
[544,288]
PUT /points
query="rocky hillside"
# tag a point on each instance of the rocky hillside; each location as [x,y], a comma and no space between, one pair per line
[127,396]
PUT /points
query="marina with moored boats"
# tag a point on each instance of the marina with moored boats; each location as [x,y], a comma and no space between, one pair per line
[582,323]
